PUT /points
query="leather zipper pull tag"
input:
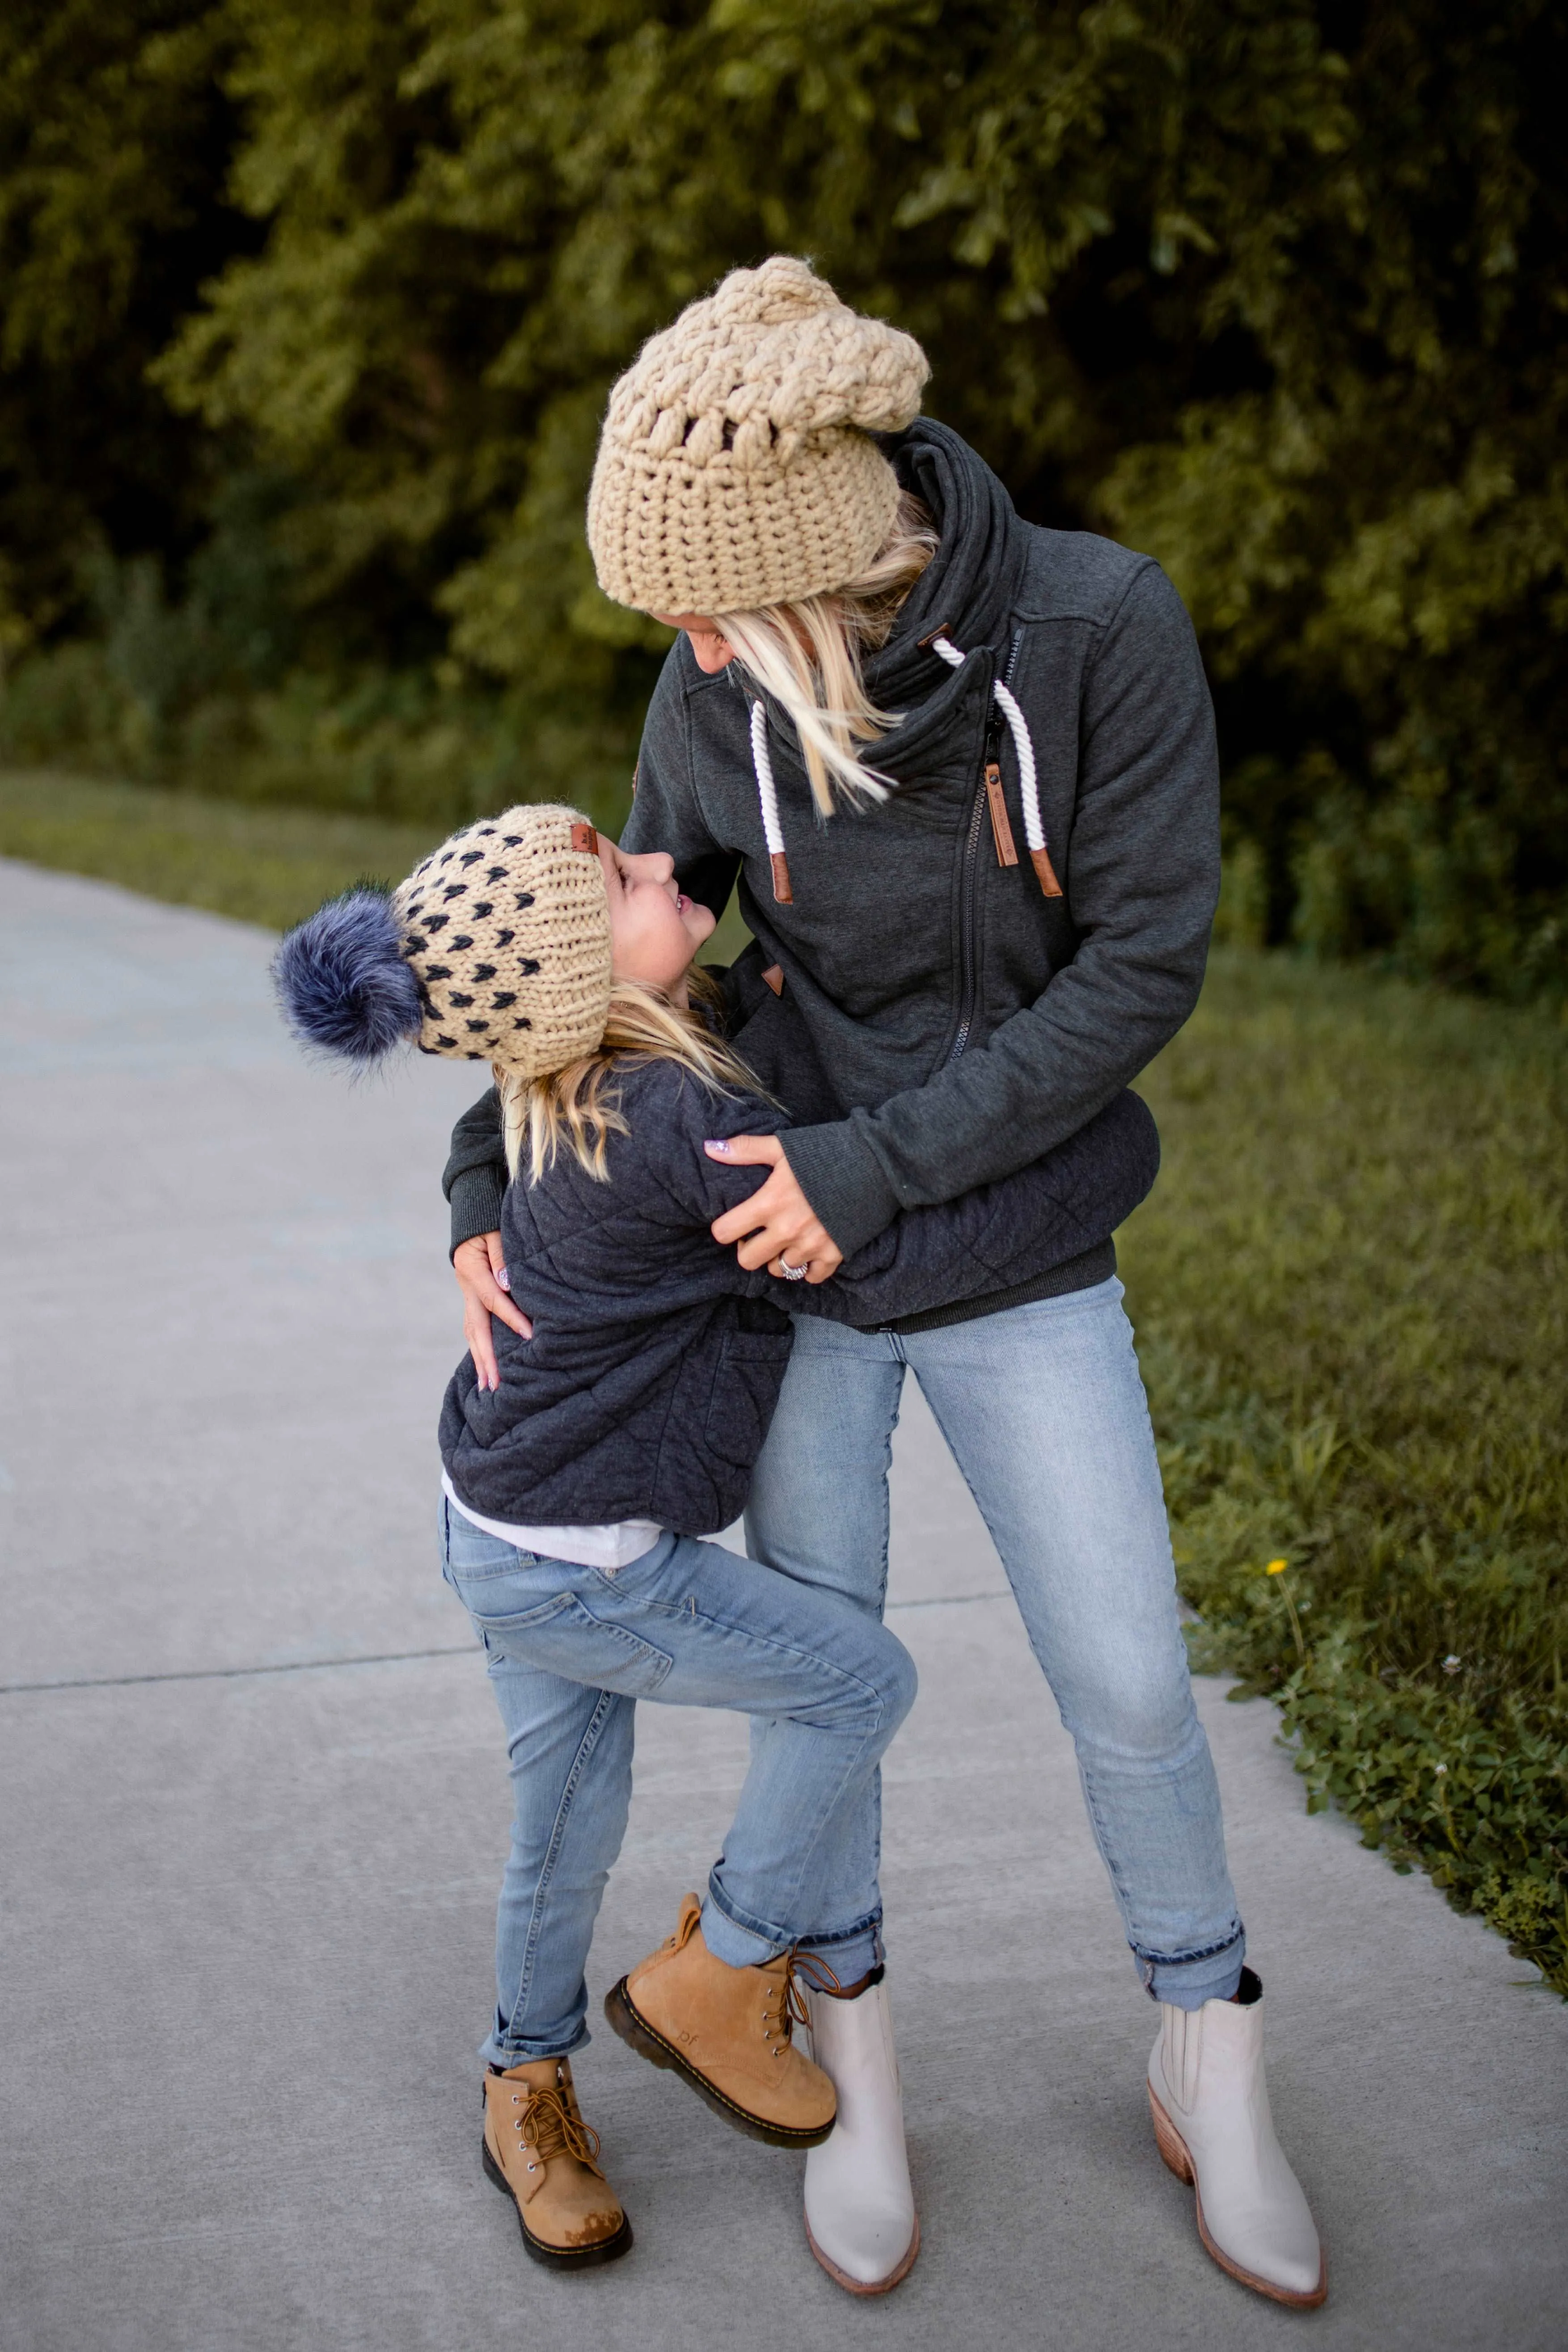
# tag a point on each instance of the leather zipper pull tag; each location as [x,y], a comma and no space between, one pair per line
[1001,828]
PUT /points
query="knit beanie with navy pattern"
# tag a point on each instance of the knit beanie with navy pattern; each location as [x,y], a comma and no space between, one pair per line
[496,949]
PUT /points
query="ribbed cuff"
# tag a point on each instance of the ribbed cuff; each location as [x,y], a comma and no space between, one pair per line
[843,1180]
[1086,1272]
[475,1198]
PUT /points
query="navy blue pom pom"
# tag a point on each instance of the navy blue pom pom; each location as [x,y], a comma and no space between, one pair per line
[341,982]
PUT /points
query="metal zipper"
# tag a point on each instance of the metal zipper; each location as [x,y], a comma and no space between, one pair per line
[968,919]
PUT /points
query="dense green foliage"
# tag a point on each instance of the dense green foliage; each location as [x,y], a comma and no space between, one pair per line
[1277,289]
[115,139]
[1349,1288]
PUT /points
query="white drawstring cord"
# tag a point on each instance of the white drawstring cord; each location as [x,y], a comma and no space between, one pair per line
[1028,778]
[1028,781]
[767,794]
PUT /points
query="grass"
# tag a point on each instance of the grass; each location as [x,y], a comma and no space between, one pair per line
[269,866]
[1350,1294]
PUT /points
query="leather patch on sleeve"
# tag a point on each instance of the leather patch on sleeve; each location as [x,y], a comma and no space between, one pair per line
[773,976]
[584,838]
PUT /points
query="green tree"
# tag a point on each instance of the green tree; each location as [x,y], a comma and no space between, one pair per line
[114,146]
[1275,289]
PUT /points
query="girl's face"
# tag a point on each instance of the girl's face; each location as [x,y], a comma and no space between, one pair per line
[655,929]
[712,648]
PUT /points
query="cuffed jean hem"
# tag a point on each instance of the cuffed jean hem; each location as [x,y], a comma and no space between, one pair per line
[737,1947]
[493,2052]
[1186,1982]
[747,1944]
[852,1954]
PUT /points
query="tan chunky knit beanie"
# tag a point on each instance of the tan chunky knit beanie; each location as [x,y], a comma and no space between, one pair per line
[506,929]
[734,468]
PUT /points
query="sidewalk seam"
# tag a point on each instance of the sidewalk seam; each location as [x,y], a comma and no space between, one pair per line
[372,1658]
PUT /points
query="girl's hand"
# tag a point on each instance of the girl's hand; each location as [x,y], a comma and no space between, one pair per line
[778,1224]
[479,1266]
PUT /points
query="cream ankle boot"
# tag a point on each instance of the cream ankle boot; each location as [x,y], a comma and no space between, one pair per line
[1210,2105]
[861,2220]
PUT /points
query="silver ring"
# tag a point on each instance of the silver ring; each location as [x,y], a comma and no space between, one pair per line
[793,1273]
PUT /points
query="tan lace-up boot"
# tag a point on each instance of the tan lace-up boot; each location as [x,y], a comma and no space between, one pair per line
[727,2031]
[539,2151]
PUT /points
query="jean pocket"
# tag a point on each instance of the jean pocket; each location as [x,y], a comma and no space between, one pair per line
[565,1638]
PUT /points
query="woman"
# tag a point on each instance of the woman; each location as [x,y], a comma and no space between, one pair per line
[884,679]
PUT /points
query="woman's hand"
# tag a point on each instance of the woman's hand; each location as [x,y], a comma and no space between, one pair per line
[479,1266]
[777,1226]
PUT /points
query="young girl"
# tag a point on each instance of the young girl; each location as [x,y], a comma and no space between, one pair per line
[579,1479]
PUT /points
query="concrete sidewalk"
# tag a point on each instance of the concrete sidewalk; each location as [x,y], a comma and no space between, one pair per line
[254,1811]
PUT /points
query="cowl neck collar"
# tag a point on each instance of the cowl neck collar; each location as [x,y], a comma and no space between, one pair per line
[970,585]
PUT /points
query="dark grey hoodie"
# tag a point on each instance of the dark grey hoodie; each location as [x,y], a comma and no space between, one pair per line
[957,1023]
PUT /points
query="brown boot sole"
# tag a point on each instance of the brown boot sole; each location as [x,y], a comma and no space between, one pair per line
[1174,2149]
[860,2286]
[639,2035]
[558,2258]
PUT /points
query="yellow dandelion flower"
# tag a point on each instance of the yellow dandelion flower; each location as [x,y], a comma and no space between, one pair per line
[1277,1567]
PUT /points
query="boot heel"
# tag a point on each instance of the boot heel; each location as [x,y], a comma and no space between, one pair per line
[1170,2144]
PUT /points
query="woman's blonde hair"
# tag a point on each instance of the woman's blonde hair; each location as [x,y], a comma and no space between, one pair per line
[808,656]
[578,1105]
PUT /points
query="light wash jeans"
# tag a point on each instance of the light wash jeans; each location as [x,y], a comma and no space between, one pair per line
[571,1650]
[1043,1407]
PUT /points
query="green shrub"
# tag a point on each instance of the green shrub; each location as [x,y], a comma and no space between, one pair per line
[400,745]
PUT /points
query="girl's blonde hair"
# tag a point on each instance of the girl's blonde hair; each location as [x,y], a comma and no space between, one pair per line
[578,1105]
[808,656]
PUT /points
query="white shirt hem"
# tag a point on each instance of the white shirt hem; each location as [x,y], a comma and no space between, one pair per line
[614,1545]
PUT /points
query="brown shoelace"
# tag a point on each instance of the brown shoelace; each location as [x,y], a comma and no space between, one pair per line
[549,2122]
[791,2008]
